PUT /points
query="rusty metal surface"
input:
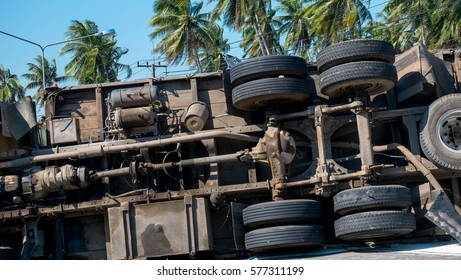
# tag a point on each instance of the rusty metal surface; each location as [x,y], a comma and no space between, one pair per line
[65,130]
[18,118]
[121,152]
[133,97]
[16,214]
[443,214]
[146,196]
[143,231]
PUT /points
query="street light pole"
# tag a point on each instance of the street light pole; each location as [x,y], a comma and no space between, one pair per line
[42,48]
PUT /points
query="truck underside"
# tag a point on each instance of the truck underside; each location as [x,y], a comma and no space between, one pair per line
[275,155]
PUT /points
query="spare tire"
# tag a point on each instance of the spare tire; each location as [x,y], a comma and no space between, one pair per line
[355,50]
[358,79]
[369,226]
[268,66]
[282,212]
[389,197]
[440,132]
[256,95]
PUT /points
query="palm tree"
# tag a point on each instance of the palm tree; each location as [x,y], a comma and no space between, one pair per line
[216,57]
[296,25]
[337,20]
[94,59]
[35,75]
[446,25]
[255,44]
[251,44]
[409,21]
[242,15]
[10,89]
[182,29]
[379,29]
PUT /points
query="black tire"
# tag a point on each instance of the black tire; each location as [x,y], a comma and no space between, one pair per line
[439,134]
[282,212]
[283,237]
[256,95]
[7,253]
[386,197]
[369,226]
[358,79]
[355,50]
[268,66]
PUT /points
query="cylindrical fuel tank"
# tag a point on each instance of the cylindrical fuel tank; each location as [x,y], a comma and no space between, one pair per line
[196,116]
[133,97]
[134,117]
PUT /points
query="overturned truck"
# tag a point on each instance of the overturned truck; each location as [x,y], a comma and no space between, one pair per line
[275,155]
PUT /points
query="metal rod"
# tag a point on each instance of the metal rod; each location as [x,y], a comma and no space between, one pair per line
[414,160]
[111,173]
[158,166]
[342,108]
[98,151]
[364,131]
[195,161]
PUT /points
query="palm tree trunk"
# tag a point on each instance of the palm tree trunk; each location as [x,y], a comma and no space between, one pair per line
[197,60]
[262,42]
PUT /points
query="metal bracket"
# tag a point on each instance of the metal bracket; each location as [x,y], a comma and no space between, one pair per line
[443,214]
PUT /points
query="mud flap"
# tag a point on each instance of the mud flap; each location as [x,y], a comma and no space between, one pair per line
[18,118]
[443,214]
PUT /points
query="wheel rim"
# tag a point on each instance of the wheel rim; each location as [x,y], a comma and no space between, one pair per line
[449,130]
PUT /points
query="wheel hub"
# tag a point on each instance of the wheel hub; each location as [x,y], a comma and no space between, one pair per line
[449,130]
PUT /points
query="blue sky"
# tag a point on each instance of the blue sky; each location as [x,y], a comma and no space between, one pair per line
[45,22]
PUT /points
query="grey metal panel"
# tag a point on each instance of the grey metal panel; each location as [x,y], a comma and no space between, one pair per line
[160,229]
[117,234]
[18,118]
[65,130]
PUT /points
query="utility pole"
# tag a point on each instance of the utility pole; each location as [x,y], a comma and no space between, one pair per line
[153,66]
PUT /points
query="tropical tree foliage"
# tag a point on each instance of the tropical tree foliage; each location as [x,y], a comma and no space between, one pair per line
[94,58]
[408,21]
[435,23]
[295,25]
[183,30]
[307,26]
[217,56]
[188,32]
[35,75]
[10,89]
[446,25]
[333,21]
[255,19]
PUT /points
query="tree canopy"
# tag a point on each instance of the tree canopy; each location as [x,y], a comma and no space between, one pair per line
[190,32]
[10,89]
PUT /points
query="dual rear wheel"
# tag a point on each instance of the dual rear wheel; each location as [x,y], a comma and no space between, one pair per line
[269,81]
[367,214]
[357,68]
[284,224]
[373,212]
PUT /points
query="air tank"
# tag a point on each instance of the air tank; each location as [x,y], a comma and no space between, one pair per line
[133,97]
[134,117]
[196,116]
